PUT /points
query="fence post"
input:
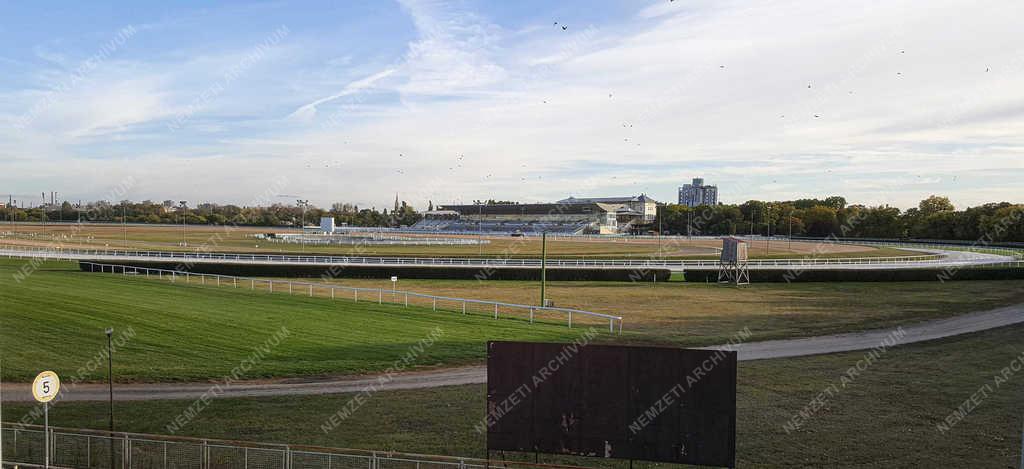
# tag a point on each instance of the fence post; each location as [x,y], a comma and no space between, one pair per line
[271,286]
[570,319]
[531,315]
[406,300]
[611,326]
[356,294]
[311,289]
[289,287]
[332,293]
[380,296]
[435,304]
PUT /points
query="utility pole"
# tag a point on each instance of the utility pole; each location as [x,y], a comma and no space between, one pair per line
[768,221]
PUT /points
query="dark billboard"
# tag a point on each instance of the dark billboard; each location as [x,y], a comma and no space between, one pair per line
[644,403]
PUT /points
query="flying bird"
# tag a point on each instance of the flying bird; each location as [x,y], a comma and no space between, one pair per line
[564,27]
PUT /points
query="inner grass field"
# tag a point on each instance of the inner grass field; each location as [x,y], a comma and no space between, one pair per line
[56,319]
[886,418]
[683,313]
[211,238]
[193,332]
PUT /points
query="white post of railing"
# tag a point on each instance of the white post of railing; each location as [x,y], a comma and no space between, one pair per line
[406,300]
[311,290]
[252,284]
[570,319]
[531,315]
[332,293]
[289,287]
[356,292]
[435,304]
[271,286]
[611,326]
[380,296]
[463,307]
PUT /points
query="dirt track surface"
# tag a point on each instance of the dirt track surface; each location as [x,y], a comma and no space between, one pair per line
[931,330]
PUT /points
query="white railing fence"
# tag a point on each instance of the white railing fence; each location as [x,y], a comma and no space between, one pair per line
[98,254]
[495,309]
[24,446]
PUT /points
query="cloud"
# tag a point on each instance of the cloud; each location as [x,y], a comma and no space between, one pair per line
[308,111]
[882,103]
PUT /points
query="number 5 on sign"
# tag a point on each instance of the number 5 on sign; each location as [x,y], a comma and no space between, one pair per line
[46,386]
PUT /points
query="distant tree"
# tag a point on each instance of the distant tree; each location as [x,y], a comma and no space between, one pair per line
[935,204]
[820,221]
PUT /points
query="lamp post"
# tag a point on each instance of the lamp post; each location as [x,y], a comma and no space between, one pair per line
[791,235]
[184,215]
[124,222]
[543,266]
[110,382]
[302,223]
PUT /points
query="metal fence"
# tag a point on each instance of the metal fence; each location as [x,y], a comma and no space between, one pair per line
[91,449]
[378,295]
[98,254]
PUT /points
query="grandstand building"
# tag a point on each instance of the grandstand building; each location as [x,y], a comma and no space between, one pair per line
[634,206]
[568,216]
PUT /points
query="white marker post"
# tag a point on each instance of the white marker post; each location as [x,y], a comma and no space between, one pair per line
[44,389]
[394,287]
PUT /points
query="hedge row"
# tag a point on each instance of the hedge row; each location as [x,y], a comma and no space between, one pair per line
[853,275]
[453,272]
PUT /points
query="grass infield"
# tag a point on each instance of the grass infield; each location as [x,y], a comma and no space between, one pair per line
[889,416]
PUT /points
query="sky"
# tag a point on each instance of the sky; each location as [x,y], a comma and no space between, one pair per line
[253,103]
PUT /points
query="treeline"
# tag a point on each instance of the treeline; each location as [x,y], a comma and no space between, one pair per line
[933,218]
[213,214]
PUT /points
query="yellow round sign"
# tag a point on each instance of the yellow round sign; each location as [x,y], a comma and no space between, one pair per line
[46,386]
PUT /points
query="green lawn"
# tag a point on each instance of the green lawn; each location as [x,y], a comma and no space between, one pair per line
[55,319]
[182,333]
[886,418]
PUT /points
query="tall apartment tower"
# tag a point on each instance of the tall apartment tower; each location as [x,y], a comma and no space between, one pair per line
[696,193]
